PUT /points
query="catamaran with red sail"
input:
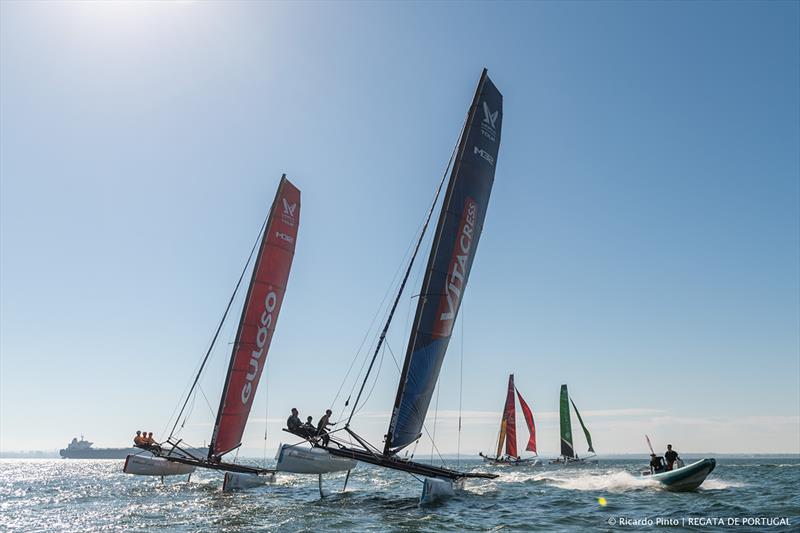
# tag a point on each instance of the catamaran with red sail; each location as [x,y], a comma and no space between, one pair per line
[455,242]
[262,304]
[508,432]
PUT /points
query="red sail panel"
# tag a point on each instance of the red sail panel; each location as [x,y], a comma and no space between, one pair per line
[509,417]
[526,411]
[259,317]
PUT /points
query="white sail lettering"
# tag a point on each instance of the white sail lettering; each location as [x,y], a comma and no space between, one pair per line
[270,301]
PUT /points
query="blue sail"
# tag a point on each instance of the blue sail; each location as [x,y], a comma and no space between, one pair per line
[449,264]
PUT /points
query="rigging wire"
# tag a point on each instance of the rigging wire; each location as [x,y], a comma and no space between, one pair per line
[266,412]
[460,387]
[435,417]
[222,321]
[403,283]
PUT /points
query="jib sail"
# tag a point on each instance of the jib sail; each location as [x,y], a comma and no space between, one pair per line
[449,264]
[259,317]
[526,412]
[585,431]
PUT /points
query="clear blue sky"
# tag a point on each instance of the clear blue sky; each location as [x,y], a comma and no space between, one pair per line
[641,244]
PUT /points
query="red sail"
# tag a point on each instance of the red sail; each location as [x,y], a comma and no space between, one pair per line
[526,411]
[509,417]
[259,317]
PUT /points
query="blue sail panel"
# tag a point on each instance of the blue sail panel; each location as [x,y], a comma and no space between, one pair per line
[449,265]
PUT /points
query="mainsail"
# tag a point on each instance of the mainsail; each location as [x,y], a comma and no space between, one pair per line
[259,316]
[567,449]
[508,425]
[452,253]
[526,411]
[585,431]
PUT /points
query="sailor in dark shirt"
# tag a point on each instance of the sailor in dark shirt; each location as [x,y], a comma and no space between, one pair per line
[293,422]
[671,456]
[656,464]
[322,427]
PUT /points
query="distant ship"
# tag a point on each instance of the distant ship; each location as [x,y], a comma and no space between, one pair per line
[82,449]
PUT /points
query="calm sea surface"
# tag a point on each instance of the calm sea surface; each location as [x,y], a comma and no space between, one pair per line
[94,495]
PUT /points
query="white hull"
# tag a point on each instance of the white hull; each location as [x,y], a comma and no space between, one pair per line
[142,465]
[238,481]
[302,460]
[438,489]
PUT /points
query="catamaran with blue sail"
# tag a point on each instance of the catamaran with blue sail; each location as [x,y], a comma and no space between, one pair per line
[452,253]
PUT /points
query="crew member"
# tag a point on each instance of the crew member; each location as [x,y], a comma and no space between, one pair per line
[322,427]
[671,456]
[656,464]
[293,422]
[308,428]
[138,440]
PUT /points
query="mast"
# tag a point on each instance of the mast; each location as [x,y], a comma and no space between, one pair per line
[260,311]
[567,449]
[449,264]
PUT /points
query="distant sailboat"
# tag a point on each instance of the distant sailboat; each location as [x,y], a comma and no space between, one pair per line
[508,433]
[262,304]
[568,454]
[452,253]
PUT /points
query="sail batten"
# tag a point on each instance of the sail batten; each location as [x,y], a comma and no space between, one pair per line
[260,311]
[449,264]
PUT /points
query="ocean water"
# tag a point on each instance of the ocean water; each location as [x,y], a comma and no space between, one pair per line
[94,495]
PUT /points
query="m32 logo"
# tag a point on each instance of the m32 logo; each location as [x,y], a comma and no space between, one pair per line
[484,154]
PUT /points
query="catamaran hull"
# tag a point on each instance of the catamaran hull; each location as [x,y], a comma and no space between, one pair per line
[301,460]
[532,461]
[238,481]
[434,490]
[154,466]
[687,478]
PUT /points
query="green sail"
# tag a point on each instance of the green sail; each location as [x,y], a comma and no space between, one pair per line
[585,431]
[567,450]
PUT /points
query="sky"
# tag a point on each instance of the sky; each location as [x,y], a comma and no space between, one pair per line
[642,242]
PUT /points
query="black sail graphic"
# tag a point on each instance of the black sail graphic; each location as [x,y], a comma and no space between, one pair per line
[449,264]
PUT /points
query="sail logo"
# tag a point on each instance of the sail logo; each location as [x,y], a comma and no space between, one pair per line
[458,272]
[288,212]
[489,123]
[484,154]
[284,237]
[489,117]
[262,340]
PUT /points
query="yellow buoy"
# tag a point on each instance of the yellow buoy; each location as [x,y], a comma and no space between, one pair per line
[602,501]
